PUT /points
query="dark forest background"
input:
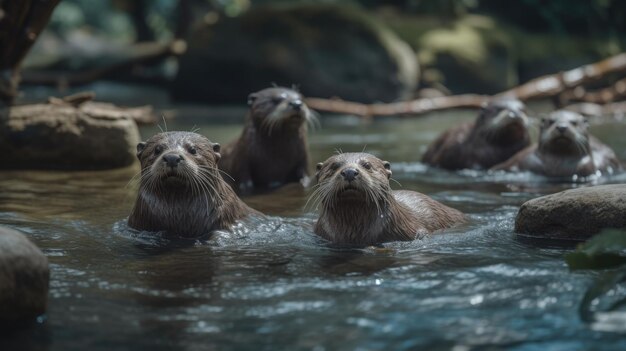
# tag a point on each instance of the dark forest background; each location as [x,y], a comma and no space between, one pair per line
[217,51]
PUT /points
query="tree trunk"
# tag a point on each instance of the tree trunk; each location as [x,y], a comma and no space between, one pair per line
[21,22]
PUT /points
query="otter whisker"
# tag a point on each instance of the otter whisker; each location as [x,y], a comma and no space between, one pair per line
[202,186]
[208,185]
[312,119]
[397,182]
[323,194]
[226,174]
[164,122]
[135,177]
[213,181]
[315,193]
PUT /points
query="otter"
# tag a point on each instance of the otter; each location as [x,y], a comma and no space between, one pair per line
[181,191]
[359,208]
[565,149]
[499,132]
[272,149]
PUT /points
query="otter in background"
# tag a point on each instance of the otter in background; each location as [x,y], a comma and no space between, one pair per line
[359,208]
[181,191]
[272,149]
[565,149]
[499,132]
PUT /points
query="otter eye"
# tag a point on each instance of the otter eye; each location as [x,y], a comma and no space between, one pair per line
[335,166]
[575,124]
[277,100]
[192,150]
[158,149]
[366,165]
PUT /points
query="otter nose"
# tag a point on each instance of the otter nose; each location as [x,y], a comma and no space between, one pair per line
[172,160]
[349,174]
[296,104]
[561,128]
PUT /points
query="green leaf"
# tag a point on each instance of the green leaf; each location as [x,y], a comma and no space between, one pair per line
[605,250]
[601,286]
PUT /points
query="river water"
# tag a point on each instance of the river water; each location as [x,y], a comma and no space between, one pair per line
[272,285]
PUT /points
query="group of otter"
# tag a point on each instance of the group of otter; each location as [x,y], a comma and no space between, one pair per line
[189,186]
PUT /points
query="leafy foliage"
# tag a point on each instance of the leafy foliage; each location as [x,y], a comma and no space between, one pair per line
[605,250]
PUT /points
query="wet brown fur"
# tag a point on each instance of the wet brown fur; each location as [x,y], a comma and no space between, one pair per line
[481,144]
[190,200]
[272,149]
[572,151]
[372,213]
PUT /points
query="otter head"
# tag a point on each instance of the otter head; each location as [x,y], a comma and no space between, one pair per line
[357,177]
[564,132]
[177,159]
[277,108]
[503,121]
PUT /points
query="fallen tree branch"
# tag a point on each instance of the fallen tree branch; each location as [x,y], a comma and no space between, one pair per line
[616,91]
[549,86]
[418,106]
[616,110]
[554,84]
[140,54]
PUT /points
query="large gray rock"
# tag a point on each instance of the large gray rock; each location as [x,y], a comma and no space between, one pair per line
[326,50]
[64,136]
[24,279]
[574,214]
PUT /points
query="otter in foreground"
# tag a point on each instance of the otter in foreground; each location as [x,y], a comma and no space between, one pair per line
[182,192]
[359,208]
[565,149]
[272,149]
[499,131]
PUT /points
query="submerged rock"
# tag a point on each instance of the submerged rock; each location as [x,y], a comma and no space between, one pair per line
[65,136]
[326,50]
[575,214]
[24,279]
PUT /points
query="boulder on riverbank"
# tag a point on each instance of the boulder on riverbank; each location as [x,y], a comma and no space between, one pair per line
[61,135]
[326,50]
[575,214]
[24,279]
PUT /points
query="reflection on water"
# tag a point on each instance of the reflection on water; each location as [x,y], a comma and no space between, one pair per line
[271,284]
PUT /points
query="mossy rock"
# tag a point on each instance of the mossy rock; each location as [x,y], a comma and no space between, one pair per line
[470,54]
[326,50]
[479,54]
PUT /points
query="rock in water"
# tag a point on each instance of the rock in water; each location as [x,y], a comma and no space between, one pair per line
[24,279]
[326,50]
[64,136]
[575,214]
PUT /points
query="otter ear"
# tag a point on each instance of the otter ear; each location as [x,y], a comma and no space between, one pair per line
[140,147]
[251,98]
[586,121]
[387,166]
[318,168]
[216,149]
